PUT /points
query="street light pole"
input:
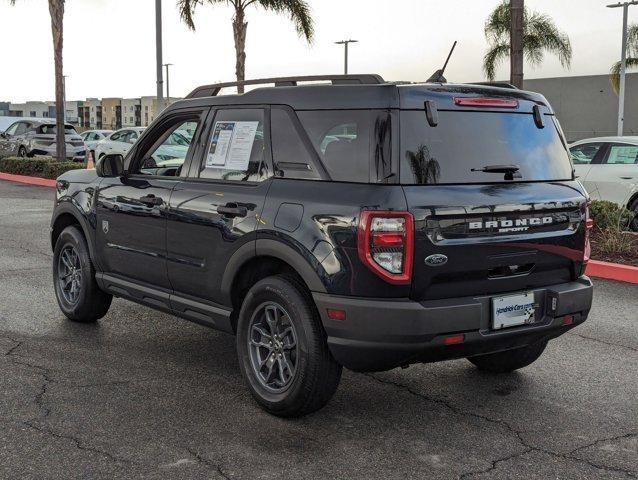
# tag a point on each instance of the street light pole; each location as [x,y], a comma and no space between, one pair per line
[168,86]
[345,60]
[623,63]
[158,49]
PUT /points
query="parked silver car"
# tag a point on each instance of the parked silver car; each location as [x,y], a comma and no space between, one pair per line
[26,138]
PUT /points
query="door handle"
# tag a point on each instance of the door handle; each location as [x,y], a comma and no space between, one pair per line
[626,178]
[151,200]
[232,210]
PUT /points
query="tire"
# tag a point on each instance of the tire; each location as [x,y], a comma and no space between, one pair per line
[509,360]
[22,152]
[316,374]
[87,303]
[634,208]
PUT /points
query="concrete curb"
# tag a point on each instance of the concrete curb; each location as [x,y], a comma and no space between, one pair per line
[42,182]
[612,271]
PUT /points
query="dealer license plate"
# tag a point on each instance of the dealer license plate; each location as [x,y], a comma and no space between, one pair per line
[513,310]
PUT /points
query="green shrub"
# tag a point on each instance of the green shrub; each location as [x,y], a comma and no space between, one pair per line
[44,167]
[614,243]
[608,215]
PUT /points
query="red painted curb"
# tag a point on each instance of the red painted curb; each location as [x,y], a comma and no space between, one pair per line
[612,271]
[42,182]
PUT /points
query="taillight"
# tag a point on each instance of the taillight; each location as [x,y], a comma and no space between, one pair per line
[386,244]
[589,225]
[485,102]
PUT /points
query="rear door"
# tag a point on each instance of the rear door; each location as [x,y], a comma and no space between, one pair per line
[214,212]
[6,147]
[498,233]
[615,178]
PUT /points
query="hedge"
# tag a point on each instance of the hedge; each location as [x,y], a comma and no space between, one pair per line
[608,215]
[43,167]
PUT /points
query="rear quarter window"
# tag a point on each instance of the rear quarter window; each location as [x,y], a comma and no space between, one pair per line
[466,140]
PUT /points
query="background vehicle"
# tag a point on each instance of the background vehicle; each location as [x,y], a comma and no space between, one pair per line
[608,167]
[37,137]
[361,224]
[92,137]
[118,142]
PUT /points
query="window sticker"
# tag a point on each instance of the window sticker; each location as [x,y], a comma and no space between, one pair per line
[231,145]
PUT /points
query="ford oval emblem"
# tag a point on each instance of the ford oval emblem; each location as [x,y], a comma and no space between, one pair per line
[436,260]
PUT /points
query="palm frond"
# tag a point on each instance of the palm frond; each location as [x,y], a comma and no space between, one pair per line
[297,10]
[614,73]
[497,25]
[546,36]
[495,55]
[187,11]
[632,40]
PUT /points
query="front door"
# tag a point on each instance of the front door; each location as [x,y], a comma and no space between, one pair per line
[215,211]
[7,140]
[132,211]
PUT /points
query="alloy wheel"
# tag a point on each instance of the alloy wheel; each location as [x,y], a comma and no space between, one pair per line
[70,274]
[272,345]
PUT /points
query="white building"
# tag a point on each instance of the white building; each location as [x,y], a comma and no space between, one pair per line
[131,112]
[32,109]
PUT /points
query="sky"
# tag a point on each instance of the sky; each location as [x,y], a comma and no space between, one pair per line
[109,45]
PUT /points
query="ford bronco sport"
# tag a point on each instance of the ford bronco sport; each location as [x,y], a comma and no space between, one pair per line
[355,223]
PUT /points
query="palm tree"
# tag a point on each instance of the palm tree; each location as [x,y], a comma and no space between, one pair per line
[632,57]
[297,10]
[540,35]
[56,10]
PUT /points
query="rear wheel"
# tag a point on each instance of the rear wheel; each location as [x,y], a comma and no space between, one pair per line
[76,290]
[22,152]
[282,349]
[509,360]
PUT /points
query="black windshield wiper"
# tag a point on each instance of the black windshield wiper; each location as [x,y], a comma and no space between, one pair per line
[510,171]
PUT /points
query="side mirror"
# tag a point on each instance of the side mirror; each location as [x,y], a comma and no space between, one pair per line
[110,166]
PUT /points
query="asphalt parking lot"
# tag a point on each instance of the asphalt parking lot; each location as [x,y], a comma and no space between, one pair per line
[146,395]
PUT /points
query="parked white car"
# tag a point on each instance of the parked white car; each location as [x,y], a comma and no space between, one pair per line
[118,142]
[92,137]
[608,167]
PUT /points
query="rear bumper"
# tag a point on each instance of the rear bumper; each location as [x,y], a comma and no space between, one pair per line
[72,153]
[383,334]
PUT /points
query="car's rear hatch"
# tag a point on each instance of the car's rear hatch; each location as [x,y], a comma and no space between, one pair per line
[518,225]
[45,135]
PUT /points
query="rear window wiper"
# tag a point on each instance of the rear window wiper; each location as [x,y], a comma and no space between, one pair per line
[510,171]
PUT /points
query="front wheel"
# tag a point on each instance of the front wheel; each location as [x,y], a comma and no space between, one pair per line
[509,360]
[22,152]
[76,290]
[283,354]
[634,209]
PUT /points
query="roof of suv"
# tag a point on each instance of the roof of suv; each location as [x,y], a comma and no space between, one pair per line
[366,95]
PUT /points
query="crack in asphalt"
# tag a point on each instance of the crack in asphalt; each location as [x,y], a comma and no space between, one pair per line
[78,443]
[209,463]
[17,345]
[517,433]
[603,342]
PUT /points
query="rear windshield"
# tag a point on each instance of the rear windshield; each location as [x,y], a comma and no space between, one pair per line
[463,141]
[50,129]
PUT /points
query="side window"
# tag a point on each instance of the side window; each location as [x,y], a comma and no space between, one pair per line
[620,154]
[236,147]
[342,139]
[585,154]
[131,137]
[117,137]
[22,129]
[290,155]
[166,156]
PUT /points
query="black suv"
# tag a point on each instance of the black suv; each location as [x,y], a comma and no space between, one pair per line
[355,223]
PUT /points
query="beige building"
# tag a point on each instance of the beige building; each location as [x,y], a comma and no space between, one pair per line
[131,112]
[148,110]
[111,113]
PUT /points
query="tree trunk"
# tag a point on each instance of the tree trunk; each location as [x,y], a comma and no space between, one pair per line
[56,10]
[517,9]
[239,32]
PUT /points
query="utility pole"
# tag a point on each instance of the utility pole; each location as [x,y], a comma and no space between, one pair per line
[158,49]
[517,12]
[345,60]
[168,86]
[623,64]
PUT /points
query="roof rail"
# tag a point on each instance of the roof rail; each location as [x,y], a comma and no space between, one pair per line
[213,90]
